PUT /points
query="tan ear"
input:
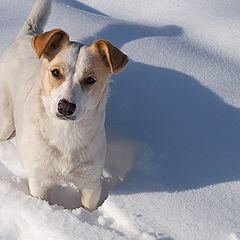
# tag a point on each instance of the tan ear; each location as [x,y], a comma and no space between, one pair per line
[48,44]
[114,59]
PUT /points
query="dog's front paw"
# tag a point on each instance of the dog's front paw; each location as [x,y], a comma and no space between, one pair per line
[90,197]
[38,190]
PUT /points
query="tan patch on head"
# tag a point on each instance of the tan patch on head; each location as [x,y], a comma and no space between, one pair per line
[107,60]
[53,81]
[48,45]
[100,73]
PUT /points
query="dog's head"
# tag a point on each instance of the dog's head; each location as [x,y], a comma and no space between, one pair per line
[74,76]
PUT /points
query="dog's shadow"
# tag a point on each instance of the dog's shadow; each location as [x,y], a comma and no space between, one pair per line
[194,136]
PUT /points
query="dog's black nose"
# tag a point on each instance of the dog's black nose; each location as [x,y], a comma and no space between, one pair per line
[66,108]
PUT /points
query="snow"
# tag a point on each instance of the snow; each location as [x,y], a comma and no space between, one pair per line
[178,101]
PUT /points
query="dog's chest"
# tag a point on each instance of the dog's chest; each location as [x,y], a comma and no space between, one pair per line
[69,150]
[66,138]
[71,164]
[65,160]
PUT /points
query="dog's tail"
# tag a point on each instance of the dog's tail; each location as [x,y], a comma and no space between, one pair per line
[37,18]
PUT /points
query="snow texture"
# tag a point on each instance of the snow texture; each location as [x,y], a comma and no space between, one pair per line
[177,104]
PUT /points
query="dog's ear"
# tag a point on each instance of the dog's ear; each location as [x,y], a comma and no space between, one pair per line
[113,58]
[48,44]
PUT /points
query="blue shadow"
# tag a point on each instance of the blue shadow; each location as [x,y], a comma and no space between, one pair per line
[194,135]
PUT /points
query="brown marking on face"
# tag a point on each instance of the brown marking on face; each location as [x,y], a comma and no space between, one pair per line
[87,73]
[51,79]
[107,60]
[47,46]
[98,70]
[56,80]
[51,82]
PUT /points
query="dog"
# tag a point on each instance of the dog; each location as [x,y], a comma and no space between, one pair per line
[53,99]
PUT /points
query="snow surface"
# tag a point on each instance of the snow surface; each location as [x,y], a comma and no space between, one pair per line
[178,99]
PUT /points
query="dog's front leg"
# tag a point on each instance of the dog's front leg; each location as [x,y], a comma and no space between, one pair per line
[39,189]
[90,196]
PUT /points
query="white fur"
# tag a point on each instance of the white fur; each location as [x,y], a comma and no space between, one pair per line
[53,151]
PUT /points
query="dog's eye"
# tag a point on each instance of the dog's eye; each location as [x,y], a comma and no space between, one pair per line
[89,81]
[56,73]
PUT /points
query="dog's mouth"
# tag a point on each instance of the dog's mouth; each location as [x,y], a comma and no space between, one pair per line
[66,118]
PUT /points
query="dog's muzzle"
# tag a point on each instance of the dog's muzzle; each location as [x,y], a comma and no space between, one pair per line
[66,109]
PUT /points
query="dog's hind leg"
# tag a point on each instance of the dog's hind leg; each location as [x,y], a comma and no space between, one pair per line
[7,128]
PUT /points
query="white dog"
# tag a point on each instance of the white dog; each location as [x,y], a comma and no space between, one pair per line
[53,96]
